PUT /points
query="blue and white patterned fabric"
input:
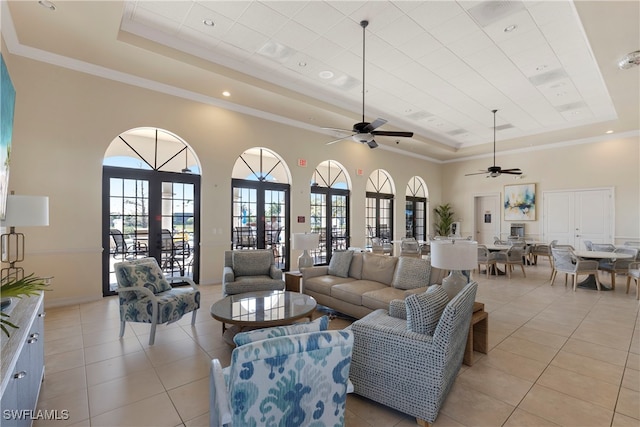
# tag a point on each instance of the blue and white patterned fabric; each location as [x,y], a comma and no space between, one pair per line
[405,370]
[146,296]
[320,324]
[293,380]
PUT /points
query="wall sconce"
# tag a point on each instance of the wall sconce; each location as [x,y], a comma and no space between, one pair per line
[22,211]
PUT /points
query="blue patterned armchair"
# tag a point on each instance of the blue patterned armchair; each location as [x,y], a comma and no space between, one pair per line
[250,270]
[407,358]
[146,295]
[290,380]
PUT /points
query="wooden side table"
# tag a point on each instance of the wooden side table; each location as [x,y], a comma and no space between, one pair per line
[293,281]
[478,337]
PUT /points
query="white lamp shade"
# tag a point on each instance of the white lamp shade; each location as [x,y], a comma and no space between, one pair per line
[454,254]
[305,241]
[27,211]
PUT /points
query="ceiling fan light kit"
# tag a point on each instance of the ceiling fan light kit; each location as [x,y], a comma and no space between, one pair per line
[364,132]
[495,171]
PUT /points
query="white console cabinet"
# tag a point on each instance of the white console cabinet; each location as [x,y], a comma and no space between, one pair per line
[22,362]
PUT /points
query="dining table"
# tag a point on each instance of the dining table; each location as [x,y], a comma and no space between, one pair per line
[590,281]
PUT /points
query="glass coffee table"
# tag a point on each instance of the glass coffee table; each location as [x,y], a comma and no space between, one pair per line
[262,309]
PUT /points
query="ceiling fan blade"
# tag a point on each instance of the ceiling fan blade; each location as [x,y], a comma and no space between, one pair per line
[372,144]
[392,133]
[338,129]
[375,124]
[477,173]
[339,139]
[515,171]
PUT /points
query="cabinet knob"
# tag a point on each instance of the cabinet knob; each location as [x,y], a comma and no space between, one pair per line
[43,314]
[20,375]
[32,340]
[35,335]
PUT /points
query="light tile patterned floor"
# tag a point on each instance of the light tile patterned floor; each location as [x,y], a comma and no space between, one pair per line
[556,358]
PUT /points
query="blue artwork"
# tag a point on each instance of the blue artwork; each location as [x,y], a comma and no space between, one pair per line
[7,104]
[520,202]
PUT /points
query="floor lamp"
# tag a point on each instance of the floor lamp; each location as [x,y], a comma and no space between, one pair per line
[21,211]
[454,255]
[306,242]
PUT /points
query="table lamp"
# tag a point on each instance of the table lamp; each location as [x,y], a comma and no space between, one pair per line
[455,256]
[22,211]
[306,242]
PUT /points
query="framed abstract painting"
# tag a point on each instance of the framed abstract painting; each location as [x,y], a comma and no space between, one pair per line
[520,202]
[7,105]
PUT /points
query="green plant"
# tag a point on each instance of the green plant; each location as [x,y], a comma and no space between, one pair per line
[444,219]
[12,287]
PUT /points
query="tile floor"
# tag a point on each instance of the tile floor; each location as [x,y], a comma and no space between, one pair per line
[556,358]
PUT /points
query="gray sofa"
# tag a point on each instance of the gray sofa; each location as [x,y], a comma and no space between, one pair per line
[357,283]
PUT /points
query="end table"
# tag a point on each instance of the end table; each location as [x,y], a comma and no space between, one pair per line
[293,281]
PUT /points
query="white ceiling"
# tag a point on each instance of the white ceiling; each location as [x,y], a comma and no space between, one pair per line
[436,68]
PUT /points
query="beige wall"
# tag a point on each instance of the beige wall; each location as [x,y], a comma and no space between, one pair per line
[65,120]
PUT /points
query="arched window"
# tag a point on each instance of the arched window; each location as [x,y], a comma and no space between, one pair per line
[151,203]
[260,204]
[416,209]
[379,206]
[330,209]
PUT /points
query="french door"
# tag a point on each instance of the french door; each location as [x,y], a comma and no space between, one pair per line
[415,217]
[329,219]
[150,213]
[260,215]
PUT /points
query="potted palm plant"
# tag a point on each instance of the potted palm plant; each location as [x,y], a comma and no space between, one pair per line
[13,287]
[444,218]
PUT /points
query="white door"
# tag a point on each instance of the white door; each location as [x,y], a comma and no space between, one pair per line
[487,218]
[570,217]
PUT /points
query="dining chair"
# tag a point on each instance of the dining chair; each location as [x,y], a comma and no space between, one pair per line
[486,258]
[588,244]
[564,261]
[510,257]
[603,247]
[618,266]
[410,247]
[633,273]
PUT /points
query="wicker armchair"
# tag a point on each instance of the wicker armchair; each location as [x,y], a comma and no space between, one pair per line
[486,258]
[633,273]
[564,261]
[409,371]
[512,256]
[618,266]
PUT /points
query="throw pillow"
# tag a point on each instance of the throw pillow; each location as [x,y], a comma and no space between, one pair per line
[320,324]
[378,268]
[411,273]
[252,263]
[424,310]
[339,264]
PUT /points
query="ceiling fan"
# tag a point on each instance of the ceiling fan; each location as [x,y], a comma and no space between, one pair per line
[365,132]
[495,171]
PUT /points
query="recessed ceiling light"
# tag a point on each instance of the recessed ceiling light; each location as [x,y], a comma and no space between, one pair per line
[208,22]
[48,4]
[510,28]
[226,93]
[541,67]
[609,131]
[302,64]
[325,74]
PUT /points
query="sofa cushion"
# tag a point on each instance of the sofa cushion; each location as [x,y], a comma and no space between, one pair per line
[380,298]
[352,292]
[340,263]
[320,324]
[411,273]
[355,270]
[251,263]
[323,284]
[424,310]
[379,268]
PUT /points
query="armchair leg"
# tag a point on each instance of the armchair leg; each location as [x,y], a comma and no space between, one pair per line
[193,317]
[152,336]
[423,423]
[122,324]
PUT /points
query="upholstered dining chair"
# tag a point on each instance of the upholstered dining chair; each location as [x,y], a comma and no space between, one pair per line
[486,258]
[146,296]
[511,257]
[564,261]
[410,247]
[633,273]
[618,266]
[283,378]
